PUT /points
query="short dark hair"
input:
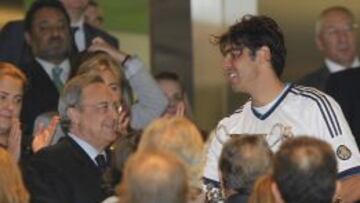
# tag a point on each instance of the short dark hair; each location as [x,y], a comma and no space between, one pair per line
[243,159]
[305,171]
[40,4]
[166,75]
[253,32]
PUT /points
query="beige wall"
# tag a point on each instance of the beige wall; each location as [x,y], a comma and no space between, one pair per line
[9,10]
[209,18]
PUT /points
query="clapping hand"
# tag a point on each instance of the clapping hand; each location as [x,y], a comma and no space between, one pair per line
[44,135]
[14,140]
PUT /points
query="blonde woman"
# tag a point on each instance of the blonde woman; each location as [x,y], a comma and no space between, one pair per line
[12,189]
[150,100]
[179,136]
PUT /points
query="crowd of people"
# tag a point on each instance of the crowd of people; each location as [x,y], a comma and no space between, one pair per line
[81,120]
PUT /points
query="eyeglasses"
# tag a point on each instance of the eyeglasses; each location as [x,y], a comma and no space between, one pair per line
[105,107]
[332,31]
[233,52]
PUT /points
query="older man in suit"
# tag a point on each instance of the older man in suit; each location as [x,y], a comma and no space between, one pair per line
[71,171]
[336,40]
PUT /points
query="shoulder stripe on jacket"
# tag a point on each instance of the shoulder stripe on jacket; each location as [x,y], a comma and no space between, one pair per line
[325,107]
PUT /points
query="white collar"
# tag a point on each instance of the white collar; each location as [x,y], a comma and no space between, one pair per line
[48,66]
[334,67]
[88,148]
[79,24]
[267,107]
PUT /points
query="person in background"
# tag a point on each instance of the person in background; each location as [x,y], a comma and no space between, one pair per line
[14,48]
[94,15]
[305,170]
[154,177]
[47,32]
[178,136]
[172,87]
[12,86]
[83,33]
[243,159]
[151,101]
[336,39]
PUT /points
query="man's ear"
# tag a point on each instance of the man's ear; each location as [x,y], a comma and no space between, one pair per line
[263,54]
[276,193]
[73,115]
[319,44]
[27,38]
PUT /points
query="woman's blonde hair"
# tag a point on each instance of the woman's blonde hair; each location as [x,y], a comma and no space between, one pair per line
[98,62]
[8,69]
[181,137]
[261,192]
[12,189]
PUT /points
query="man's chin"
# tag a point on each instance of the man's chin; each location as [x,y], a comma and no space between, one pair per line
[54,55]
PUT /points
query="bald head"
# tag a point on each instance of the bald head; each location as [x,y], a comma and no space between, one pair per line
[335,35]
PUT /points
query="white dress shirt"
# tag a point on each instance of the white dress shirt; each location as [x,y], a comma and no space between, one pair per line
[79,35]
[88,148]
[335,67]
[65,66]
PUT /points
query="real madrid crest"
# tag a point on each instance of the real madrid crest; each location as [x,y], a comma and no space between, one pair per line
[343,152]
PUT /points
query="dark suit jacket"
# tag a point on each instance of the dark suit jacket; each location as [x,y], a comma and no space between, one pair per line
[92,32]
[316,79]
[14,49]
[40,96]
[64,173]
[344,86]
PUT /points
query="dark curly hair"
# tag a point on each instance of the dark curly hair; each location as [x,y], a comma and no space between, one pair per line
[253,32]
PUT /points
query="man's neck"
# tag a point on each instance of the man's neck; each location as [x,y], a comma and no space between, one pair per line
[266,91]
[95,145]
[75,17]
[52,61]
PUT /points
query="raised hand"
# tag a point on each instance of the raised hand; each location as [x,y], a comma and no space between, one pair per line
[98,44]
[14,140]
[123,122]
[44,135]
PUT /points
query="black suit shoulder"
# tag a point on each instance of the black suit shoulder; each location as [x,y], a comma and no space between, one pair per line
[13,47]
[64,173]
[92,32]
[344,86]
[316,79]
[40,95]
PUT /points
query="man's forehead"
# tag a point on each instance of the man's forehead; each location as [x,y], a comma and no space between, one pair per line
[96,92]
[43,13]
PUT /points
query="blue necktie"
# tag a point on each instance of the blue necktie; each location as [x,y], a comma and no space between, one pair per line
[56,76]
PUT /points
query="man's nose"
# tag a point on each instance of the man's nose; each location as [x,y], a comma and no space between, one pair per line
[227,62]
